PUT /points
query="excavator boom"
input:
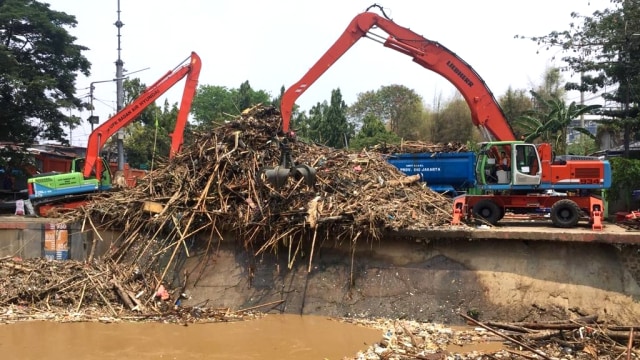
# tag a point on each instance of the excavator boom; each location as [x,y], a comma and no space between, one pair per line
[102,133]
[486,114]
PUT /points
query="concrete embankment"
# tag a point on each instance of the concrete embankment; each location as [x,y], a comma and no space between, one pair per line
[428,280]
[520,272]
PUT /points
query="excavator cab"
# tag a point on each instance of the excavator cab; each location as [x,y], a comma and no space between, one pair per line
[287,168]
[508,163]
[104,181]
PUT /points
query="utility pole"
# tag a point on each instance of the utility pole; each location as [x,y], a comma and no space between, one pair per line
[95,119]
[119,93]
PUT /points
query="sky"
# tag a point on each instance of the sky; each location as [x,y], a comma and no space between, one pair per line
[274,43]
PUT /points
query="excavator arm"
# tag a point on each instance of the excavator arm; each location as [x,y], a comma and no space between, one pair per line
[486,114]
[102,133]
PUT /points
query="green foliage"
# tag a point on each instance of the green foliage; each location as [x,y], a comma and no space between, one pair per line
[453,122]
[314,122]
[585,145]
[514,104]
[337,130]
[215,104]
[552,85]
[373,132]
[604,49]
[551,126]
[146,143]
[396,105]
[327,123]
[625,175]
[39,63]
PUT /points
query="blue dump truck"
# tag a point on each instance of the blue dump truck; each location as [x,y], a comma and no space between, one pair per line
[451,173]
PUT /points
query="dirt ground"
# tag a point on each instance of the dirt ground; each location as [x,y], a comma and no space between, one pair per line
[430,281]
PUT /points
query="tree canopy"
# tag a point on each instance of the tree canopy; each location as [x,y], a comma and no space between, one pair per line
[327,123]
[399,107]
[214,104]
[39,63]
[373,132]
[515,103]
[453,122]
[605,49]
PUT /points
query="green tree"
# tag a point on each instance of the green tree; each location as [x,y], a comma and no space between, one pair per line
[552,84]
[212,105]
[625,177]
[327,122]
[583,146]
[338,131]
[373,132]
[605,50]
[515,103]
[247,97]
[215,104]
[551,126]
[314,123]
[399,107]
[453,122]
[39,64]
[146,143]
[300,124]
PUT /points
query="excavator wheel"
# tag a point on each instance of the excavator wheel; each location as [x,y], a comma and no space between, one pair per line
[487,210]
[565,213]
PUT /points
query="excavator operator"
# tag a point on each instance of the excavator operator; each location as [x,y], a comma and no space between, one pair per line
[505,161]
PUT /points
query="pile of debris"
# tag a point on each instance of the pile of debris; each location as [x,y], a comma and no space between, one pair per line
[70,291]
[217,185]
[582,338]
[416,146]
[39,289]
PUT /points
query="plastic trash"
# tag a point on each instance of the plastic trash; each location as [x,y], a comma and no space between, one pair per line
[20,207]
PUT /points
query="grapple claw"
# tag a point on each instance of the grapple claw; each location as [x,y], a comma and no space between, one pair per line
[306,172]
[277,176]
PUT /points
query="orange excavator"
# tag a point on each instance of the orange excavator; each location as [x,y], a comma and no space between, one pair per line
[69,190]
[485,113]
[537,181]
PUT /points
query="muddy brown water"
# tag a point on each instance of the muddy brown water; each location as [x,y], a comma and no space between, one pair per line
[282,337]
[272,337]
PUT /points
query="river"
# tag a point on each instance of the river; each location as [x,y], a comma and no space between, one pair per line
[280,337]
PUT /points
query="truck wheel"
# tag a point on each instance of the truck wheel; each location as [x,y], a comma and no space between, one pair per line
[565,213]
[487,210]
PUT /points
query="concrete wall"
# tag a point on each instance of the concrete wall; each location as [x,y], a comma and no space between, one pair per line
[27,237]
[426,280]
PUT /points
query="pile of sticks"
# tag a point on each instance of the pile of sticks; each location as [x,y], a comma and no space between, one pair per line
[36,288]
[413,147]
[217,185]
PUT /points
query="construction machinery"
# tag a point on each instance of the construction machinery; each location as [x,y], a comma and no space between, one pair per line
[92,173]
[537,177]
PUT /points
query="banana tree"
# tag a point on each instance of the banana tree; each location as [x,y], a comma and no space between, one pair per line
[551,124]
